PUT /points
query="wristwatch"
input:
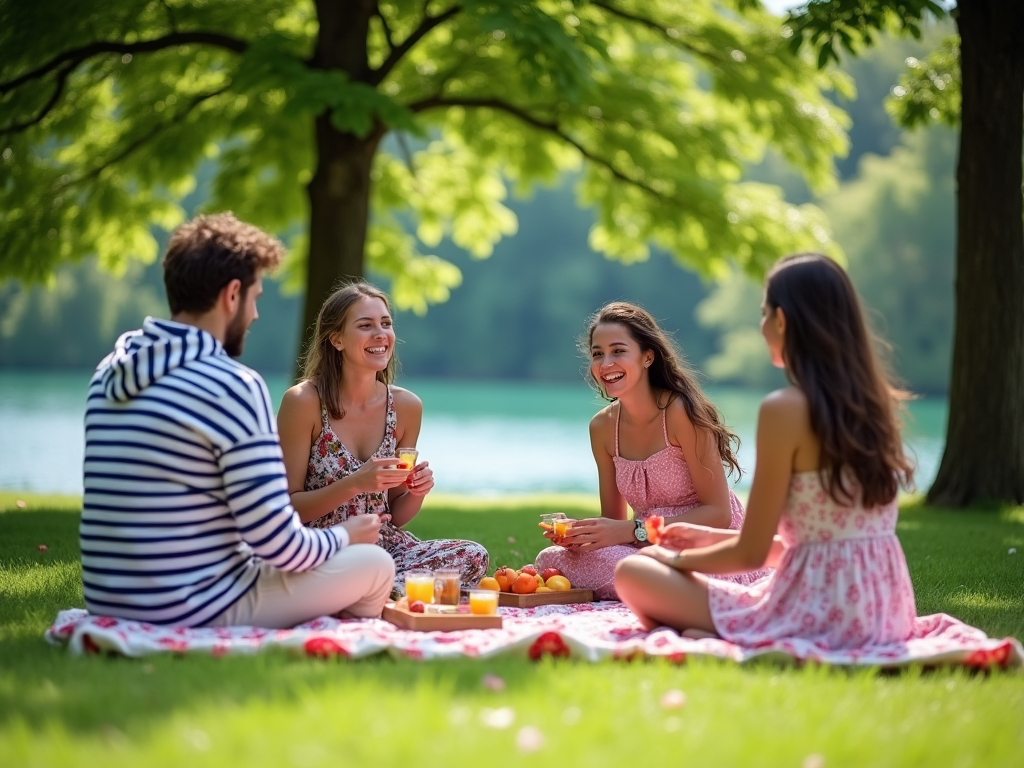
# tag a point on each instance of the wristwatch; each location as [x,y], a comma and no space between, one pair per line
[639,532]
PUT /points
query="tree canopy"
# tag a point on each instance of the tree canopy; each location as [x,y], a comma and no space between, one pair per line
[111,108]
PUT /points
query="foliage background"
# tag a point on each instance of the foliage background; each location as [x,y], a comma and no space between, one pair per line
[518,313]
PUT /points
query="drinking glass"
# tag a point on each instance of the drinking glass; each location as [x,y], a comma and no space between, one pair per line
[563,526]
[483,602]
[448,583]
[408,457]
[419,585]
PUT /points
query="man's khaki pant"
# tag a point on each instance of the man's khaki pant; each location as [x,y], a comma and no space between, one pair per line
[357,580]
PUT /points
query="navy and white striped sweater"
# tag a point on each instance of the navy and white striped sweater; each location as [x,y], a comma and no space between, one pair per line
[185,489]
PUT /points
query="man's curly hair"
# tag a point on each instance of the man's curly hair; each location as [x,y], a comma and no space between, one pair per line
[208,252]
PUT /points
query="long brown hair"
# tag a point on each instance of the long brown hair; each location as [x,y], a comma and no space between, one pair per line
[669,372]
[830,354]
[322,363]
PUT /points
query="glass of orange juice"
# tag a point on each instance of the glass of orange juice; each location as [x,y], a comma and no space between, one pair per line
[419,585]
[483,602]
[408,457]
[562,526]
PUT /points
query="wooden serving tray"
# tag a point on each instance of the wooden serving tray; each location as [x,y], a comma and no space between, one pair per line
[438,622]
[515,600]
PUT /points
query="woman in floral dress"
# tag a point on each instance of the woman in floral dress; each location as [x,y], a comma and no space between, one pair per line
[344,409]
[823,504]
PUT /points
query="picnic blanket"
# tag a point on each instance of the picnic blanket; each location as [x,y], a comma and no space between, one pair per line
[585,631]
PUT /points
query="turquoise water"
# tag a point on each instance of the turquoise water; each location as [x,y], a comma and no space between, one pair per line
[481,438]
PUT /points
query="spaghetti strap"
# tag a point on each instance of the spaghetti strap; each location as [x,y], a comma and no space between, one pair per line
[618,413]
[325,422]
[664,426]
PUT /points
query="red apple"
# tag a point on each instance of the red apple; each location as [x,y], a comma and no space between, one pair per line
[417,606]
[530,569]
[547,573]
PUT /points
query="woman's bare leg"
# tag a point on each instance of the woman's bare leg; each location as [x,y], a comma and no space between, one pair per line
[661,596]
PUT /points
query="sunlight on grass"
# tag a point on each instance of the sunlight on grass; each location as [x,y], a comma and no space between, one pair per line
[277,710]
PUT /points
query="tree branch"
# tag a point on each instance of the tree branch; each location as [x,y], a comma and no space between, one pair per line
[78,55]
[426,24]
[62,79]
[142,140]
[387,30]
[655,26]
[550,127]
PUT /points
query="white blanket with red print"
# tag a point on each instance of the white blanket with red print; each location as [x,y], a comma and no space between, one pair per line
[585,631]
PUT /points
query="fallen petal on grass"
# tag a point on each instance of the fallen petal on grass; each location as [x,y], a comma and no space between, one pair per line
[529,739]
[493,682]
[673,699]
[43,548]
[814,761]
[497,718]
[19,504]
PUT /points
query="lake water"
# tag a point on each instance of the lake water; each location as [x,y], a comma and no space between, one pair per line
[481,438]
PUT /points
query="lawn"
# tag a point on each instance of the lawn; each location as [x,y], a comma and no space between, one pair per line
[275,710]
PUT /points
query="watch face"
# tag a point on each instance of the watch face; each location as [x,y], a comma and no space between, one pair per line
[640,532]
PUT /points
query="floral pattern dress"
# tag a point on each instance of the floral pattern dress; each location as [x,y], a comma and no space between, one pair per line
[841,584]
[658,485]
[330,460]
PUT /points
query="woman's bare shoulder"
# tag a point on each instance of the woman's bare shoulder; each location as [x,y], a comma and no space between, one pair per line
[604,420]
[300,405]
[786,410]
[303,396]
[406,399]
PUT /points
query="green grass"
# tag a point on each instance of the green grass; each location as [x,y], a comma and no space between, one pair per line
[276,710]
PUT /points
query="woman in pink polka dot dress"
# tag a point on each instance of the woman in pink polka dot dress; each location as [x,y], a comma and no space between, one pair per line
[830,461]
[659,414]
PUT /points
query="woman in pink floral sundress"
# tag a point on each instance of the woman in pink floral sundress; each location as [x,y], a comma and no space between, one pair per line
[344,409]
[660,414]
[830,461]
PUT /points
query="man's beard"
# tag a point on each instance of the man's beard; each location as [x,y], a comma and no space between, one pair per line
[234,337]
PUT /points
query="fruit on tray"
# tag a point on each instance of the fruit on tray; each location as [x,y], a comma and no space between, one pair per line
[505,576]
[558,584]
[653,526]
[417,606]
[525,584]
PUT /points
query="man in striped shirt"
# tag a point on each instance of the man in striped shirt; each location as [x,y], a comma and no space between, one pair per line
[186,517]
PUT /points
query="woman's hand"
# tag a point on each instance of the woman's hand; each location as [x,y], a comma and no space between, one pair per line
[661,554]
[679,536]
[597,533]
[378,475]
[363,529]
[421,479]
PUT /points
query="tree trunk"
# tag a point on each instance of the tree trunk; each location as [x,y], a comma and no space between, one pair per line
[984,455]
[339,192]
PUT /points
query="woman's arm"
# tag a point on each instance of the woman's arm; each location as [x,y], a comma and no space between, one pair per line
[680,536]
[612,527]
[700,450]
[778,431]
[406,500]
[298,424]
